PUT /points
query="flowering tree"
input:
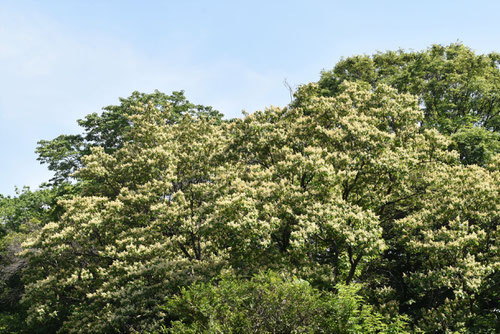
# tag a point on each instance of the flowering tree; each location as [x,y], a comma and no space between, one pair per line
[135,233]
[354,186]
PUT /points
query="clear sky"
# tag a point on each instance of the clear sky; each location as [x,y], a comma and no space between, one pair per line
[61,60]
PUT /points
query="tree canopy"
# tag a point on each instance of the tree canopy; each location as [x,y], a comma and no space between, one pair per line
[109,130]
[457,90]
[369,204]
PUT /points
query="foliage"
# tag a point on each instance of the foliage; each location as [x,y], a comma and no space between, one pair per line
[109,130]
[451,249]
[24,208]
[374,195]
[134,234]
[476,145]
[270,303]
[315,176]
[19,216]
[457,89]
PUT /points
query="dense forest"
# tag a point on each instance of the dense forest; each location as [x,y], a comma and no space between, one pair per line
[369,204]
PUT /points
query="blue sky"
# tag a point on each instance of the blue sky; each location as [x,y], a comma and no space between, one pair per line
[60,60]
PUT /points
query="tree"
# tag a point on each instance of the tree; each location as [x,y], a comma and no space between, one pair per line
[322,178]
[356,183]
[457,89]
[109,129]
[134,234]
[319,190]
[20,216]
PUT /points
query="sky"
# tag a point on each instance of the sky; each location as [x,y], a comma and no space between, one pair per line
[61,60]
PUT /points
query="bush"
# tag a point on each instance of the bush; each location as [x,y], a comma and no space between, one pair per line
[273,303]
